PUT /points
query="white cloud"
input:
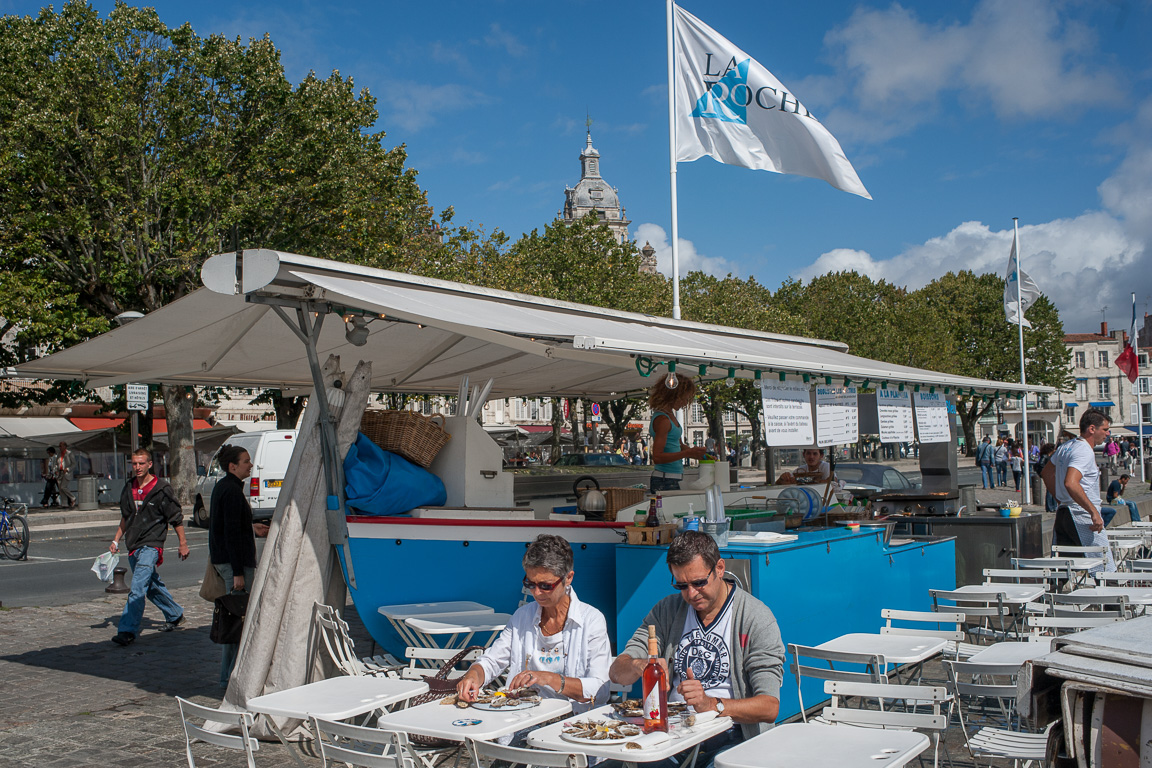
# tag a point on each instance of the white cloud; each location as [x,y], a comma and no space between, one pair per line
[498,37]
[690,260]
[1019,60]
[411,105]
[1083,264]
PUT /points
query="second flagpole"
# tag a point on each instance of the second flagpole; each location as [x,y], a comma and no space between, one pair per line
[1027,467]
[672,163]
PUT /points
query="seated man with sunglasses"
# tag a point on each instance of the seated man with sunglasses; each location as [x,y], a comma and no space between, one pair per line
[556,644]
[721,644]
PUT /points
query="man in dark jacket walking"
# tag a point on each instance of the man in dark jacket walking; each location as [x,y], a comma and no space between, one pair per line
[148,506]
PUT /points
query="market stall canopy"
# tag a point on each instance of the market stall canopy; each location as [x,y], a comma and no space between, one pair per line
[424,335]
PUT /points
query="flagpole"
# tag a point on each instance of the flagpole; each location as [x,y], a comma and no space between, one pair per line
[1139,405]
[672,165]
[1023,380]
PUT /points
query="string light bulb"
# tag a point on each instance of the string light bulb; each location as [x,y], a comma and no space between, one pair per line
[731,380]
[671,381]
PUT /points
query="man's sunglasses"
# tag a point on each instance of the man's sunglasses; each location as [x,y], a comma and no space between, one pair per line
[540,585]
[695,584]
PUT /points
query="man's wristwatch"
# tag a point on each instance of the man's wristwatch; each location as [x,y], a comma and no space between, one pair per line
[720,707]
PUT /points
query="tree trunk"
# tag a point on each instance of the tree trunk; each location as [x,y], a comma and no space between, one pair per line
[178,401]
[577,425]
[288,410]
[970,414]
[557,426]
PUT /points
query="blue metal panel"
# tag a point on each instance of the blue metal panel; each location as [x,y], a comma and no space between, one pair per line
[826,584]
[393,572]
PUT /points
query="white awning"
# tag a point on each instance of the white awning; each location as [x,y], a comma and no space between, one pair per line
[426,334]
[30,426]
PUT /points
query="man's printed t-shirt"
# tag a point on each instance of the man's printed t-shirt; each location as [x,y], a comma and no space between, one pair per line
[707,651]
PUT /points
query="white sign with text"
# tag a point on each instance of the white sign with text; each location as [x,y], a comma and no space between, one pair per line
[837,416]
[787,413]
[932,417]
[894,412]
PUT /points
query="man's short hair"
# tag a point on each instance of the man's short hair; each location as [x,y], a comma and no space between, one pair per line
[1093,417]
[1125,477]
[692,544]
[142,452]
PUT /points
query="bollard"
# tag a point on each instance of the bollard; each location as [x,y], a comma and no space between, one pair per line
[118,587]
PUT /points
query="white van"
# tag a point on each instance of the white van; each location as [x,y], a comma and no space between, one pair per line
[270,451]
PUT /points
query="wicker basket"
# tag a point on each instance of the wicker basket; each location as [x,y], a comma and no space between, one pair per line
[618,498]
[412,435]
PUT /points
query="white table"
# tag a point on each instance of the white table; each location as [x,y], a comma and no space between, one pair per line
[1135,595]
[436,719]
[684,737]
[336,698]
[811,744]
[897,650]
[1012,652]
[454,626]
[1014,594]
[396,614]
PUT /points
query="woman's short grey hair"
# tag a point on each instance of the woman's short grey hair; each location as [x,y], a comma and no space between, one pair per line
[551,553]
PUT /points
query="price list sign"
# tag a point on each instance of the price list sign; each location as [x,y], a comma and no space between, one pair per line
[837,416]
[894,412]
[932,417]
[787,413]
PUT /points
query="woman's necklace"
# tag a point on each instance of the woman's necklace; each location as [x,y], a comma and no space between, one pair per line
[551,623]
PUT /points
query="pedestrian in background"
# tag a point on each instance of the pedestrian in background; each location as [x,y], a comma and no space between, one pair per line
[985,454]
[50,471]
[65,464]
[232,536]
[1001,458]
[1016,461]
[1046,452]
[148,506]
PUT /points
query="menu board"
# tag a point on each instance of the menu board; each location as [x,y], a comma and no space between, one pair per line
[787,413]
[837,416]
[894,412]
[932,417]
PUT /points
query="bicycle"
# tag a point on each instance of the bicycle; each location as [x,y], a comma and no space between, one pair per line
[14,529]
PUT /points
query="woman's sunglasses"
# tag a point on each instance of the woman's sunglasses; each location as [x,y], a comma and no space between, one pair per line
[540,585]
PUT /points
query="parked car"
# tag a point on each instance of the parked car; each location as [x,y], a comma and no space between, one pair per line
[593,460]
[270,451]
[873,477]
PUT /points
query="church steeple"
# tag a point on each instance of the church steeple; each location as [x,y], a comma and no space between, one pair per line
[592,194]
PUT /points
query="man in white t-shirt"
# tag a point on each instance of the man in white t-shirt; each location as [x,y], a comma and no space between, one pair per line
[1075,479]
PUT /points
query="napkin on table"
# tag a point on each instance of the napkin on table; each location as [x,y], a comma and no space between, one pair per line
[644,741]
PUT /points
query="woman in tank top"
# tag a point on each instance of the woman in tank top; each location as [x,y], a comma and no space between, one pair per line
[665,397]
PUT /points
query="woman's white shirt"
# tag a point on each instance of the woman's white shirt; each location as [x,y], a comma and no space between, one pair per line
[584,638]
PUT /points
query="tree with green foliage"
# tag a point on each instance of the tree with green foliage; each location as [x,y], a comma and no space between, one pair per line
[130,150]
[986,346]
[737,303]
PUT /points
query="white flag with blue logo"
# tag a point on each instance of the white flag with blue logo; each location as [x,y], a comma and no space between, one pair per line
[728,106]
[1029,291]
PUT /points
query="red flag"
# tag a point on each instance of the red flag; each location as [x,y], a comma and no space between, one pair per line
[1128,362]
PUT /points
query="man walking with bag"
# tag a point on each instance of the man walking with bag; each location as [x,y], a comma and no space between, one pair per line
[984,454]
[148,506]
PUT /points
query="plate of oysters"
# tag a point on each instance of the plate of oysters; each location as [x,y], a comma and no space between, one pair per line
[602,732]
[505,700]
[635,708]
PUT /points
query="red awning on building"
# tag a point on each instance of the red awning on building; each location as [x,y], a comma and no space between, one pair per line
[159,426]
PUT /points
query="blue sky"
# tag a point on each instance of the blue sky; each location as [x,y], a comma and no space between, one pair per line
[957,116]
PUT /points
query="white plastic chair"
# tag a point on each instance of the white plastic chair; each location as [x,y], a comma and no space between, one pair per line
[873,665]
[1049,626]
[1125,579]
[479,750]
[423,661]
[931,624]
[360,746]
[242,742]
[965,684]
[331,633]
[934,722]
[1105,604]
[1017,575]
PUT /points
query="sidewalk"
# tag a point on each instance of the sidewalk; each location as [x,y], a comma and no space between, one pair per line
[73,698]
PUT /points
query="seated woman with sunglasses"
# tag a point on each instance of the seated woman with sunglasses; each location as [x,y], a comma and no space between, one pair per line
[555,644]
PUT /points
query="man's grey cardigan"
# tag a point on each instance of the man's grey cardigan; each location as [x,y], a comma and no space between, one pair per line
[757,650]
